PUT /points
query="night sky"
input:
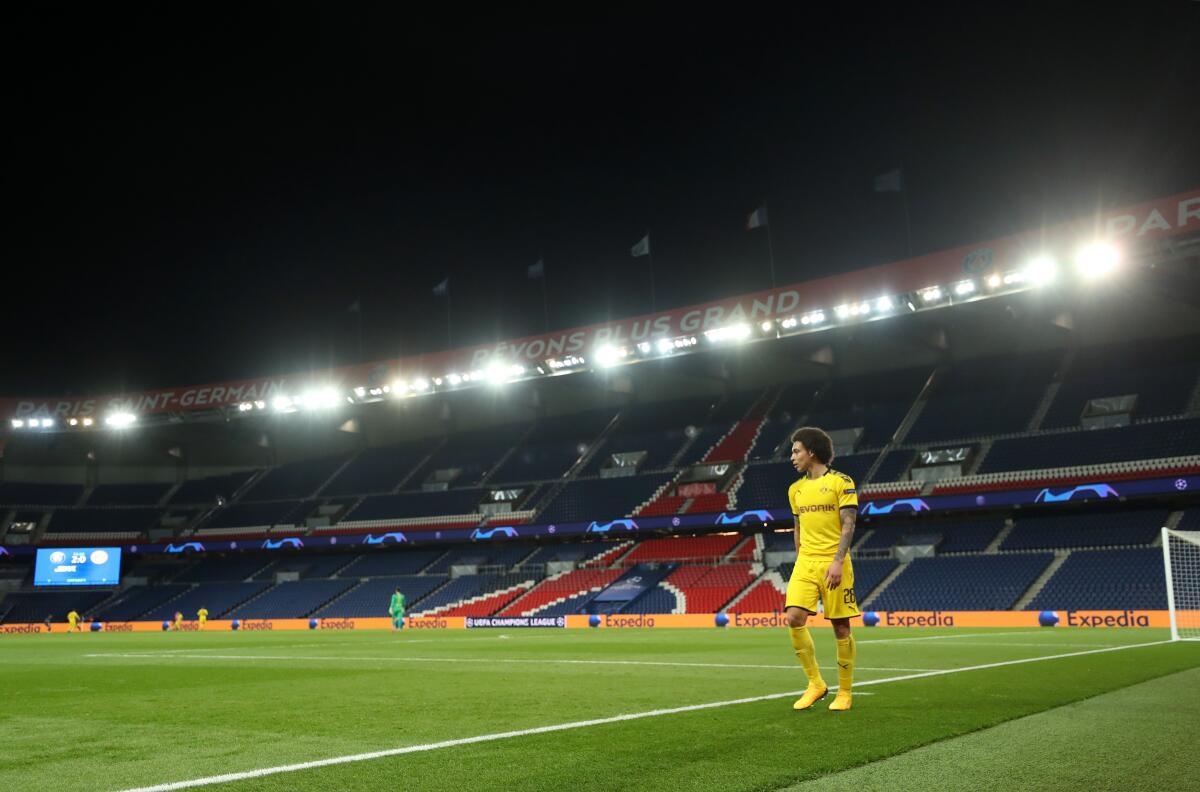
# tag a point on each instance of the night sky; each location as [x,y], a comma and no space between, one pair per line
[198,199]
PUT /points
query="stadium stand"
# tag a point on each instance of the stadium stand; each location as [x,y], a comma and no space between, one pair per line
[1094,447]
[291,600]
[128,494]
[1106,580]
[371,597]
[377,470]
[553,447]
[602,499]
[207,490]
[218,598]
[135,601]
[955,582]
[19,493]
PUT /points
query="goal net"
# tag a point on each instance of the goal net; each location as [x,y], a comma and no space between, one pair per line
[1181,559]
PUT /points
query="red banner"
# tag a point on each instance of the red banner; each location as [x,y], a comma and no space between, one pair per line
[1151,220]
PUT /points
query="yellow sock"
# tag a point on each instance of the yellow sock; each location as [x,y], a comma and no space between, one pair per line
[806,653]
[846,654]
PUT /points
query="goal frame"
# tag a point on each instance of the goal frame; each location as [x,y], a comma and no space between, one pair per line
[1187,536]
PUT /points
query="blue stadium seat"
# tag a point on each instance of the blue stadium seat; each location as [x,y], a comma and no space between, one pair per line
[378,470]
[218,598]
[983,582]
[207,490]
[19,493]
[1106,580]
[292,600]
[602,499]
[1104,528]
[372,597]
[148,494]
[294,480]
[134,601]
[1095,447]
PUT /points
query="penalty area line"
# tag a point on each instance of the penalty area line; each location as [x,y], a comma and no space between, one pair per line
[558,727]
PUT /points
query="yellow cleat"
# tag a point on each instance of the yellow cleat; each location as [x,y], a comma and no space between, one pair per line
[841,701]
[811,696]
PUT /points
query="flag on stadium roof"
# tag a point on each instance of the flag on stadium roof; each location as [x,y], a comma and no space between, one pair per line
[442,289]
[536,270]
[892,181]
[642,248]
[757,218]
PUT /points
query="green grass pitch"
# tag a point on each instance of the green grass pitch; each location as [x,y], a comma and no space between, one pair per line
[99,711]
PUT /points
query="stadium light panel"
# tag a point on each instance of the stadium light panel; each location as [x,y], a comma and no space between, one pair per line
[884,304]
[73,422]
[282,403]
[842,311]
[1097,260]
[994,281]
[47,423]
[767,327]
[420,385]
[931,295]
[645,347]
[790,323]
[608,355]
[17,423]
[665,345]
[88,422]
[964,288]
[121,420]
[1041,270]
[454,379]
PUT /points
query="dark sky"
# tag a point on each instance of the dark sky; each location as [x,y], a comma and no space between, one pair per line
[202,198]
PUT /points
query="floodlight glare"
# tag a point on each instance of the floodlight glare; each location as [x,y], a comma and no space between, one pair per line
[88,422]
[608,355]
[17,423]
[884,304]
[645,347]
[665,345]
[454,379]
[73,422]
[994,281]
[767,327]
[931,295]
[842,311]
[420,385]
[282,403]
[1097,260]
[1041,270]
[120,420]
[964,288]
[47,423]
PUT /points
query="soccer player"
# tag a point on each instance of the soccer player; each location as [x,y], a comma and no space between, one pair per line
[73,622]
[202,616]
[825,504]
[396,610]
[178,625]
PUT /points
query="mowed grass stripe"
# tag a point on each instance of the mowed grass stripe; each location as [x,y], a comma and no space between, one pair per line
[574,725]
[1120,740]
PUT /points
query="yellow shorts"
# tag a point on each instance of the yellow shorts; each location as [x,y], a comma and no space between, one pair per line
[807,586]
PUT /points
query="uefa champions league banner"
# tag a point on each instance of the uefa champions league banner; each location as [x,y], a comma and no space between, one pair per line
[618,621]
[1153,220]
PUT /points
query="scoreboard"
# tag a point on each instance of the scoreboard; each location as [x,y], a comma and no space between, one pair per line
[77,566]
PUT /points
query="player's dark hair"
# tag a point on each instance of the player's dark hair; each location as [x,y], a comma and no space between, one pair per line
[816,441]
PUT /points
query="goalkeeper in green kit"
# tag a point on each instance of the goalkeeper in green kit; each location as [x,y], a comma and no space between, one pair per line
[396,610]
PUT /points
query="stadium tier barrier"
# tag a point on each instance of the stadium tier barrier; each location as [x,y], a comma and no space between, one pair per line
[1024,619]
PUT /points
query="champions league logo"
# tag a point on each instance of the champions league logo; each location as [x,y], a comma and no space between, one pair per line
[759,515]
[394,536]
[628,525]
[902,505]
[194,547]
[289,542]
[1083,491]
[505,530]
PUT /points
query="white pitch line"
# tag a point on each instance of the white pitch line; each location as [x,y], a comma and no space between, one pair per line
[362,757]
[944,637]
[526,661]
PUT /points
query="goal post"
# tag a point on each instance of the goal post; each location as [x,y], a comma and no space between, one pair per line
[1181,565]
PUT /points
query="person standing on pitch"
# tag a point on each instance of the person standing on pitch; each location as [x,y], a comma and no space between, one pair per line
[825,505]
[202,617]
[396,610]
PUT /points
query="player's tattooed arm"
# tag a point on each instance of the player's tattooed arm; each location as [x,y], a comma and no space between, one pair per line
[833,574]
[847,538]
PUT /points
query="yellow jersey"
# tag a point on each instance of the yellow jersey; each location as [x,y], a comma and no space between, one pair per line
[72,617]
[202,614]
[817,504]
